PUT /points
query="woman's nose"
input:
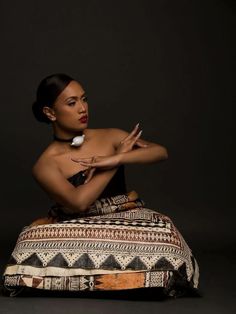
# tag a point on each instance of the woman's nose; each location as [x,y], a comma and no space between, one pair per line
[82,106]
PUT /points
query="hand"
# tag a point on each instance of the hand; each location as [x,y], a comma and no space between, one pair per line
[129,141]
[101,162]
[90,171]
[89,174]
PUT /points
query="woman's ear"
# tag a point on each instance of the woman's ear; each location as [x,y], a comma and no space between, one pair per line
[49,112]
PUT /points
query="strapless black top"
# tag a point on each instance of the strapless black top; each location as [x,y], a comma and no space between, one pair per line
[116,185]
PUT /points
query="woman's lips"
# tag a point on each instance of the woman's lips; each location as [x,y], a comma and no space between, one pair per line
[84,119]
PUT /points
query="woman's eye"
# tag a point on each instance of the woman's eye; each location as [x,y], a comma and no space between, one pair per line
[71,103]
[85,98]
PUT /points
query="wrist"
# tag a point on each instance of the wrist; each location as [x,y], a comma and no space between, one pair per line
[120,157]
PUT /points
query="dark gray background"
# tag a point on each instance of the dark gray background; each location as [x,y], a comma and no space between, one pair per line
[166,64]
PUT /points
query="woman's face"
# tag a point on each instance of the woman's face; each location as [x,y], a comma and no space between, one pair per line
[70,106]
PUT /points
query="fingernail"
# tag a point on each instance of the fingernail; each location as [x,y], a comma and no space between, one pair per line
[137,124]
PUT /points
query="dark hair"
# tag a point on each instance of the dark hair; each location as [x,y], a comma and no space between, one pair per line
[47,92]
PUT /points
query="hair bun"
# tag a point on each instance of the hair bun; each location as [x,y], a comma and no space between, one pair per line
[38,113]
[47,92]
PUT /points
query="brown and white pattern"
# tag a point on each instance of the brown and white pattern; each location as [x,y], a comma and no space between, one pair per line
[128,247]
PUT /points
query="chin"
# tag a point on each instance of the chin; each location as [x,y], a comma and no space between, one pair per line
[83,128]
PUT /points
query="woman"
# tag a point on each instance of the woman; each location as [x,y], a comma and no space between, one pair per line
[97,236]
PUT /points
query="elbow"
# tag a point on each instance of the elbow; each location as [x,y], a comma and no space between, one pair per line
[165,153]
[85,205]
[162,153]
[79,202]
[83,208]
[75,207]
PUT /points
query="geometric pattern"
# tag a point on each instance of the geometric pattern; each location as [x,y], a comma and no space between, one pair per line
[121,244]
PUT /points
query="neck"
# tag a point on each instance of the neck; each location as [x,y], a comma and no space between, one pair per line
[64,139]
[63,134]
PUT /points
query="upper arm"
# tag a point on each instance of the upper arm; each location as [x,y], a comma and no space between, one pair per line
[118,135]
[51,180]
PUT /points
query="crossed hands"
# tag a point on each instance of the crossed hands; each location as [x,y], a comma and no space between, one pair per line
[109,162]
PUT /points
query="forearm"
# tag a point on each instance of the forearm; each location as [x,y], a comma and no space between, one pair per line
[150,154]
[93,189]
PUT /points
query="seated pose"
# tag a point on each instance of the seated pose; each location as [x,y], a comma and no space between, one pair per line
[97,236]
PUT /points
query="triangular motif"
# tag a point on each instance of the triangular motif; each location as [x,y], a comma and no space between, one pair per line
[97,258]
[183,271]
[84,262]
[19,257]
[37,282]
[32,260]
[71,258]
[136,264]
[46,257]
[149,260]
[58,261]
[163,264]
[124,260]
[12,260]
[110,263]
[27,281]
[84,282]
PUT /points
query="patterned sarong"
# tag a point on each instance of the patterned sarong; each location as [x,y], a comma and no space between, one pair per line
[118,244]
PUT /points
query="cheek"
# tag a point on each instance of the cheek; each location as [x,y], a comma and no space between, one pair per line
[66,114]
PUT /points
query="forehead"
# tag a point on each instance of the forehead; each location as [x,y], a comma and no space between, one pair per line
[72,89]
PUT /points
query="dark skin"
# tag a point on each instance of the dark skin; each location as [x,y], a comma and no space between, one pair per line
[102,152]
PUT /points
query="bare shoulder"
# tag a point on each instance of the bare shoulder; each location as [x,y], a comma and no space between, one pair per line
[111,136]
[47,158]
[50,178]
[43,162]
[45,170]
[116,135]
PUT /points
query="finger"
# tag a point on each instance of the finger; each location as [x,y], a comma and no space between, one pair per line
[141,144]
[87,171]
[89,176]
[88,164]
[136,137]
[82,159]
[133,132]
[75,160]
